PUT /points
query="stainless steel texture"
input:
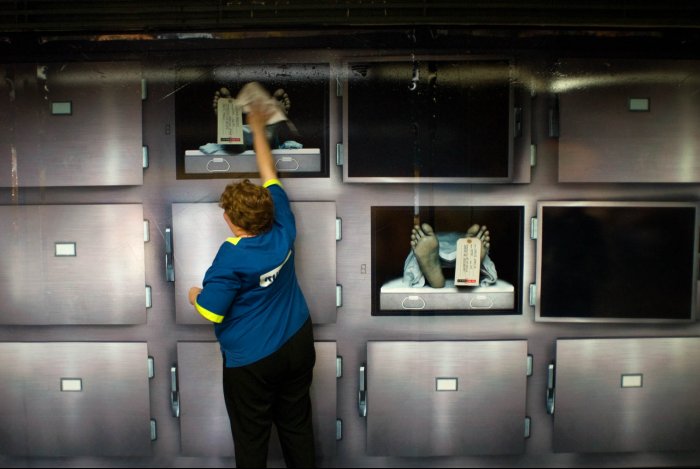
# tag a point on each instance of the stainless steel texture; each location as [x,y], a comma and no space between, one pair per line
[355,325]
[204,423]
[595,413]
[104,283]
[109,417]
[605,138]
[199,230]
[409,415]
[98,144]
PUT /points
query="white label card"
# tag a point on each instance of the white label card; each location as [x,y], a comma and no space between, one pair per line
[639,104]
[62,108]
[468,267]
[229,117]
[632,381]
[446,384]
[71,384]
[65,249]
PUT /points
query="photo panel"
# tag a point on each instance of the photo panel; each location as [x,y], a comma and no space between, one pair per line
[299,144]
[400,285]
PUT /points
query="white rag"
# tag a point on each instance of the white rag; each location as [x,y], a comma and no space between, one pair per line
[254,91]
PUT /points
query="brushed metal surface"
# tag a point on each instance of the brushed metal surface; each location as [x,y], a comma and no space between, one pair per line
[98,144]
[104,283]
[594,413]
[109,417]
[601,140]
[355,325]
[199,230]
[204,425]
[407,416]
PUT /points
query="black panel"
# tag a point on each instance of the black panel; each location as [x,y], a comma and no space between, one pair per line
[617,262]
[432,118]
[150,15]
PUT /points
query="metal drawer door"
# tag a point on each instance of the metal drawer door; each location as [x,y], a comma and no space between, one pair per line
[618,395]
[204,423]
[72,264]
[74,399]
[199,230]
[429,399]
[629,120]
[75,124]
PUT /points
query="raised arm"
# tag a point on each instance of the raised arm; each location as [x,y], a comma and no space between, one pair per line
[257,119]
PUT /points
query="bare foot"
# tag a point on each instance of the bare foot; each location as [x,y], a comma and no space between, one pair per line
[283,98]
[481,232]
[425,246]
[222,93]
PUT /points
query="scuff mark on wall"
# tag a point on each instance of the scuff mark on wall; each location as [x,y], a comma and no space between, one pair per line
[14,175]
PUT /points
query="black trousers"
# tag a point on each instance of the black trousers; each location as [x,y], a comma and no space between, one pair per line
[274,390]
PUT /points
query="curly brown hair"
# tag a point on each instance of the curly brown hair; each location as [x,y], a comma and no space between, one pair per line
[248,206]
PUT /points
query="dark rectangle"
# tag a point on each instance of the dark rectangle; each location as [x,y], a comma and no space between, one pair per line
[430,119]
[617,261]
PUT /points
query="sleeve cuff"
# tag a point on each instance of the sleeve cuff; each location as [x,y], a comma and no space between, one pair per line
[213,317]
[272,182]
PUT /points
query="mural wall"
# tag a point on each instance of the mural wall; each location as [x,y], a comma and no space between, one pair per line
[498,240]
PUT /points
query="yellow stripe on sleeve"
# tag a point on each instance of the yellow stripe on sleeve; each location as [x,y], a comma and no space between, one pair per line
[272,182]
[213,317]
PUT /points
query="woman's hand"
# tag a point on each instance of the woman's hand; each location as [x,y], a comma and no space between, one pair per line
[193,294]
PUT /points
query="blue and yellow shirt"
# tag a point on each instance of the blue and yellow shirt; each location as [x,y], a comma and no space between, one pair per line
[251,293]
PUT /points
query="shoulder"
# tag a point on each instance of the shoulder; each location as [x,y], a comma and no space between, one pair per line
[273,183]
[227,250]
[279,195]
[274,186]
